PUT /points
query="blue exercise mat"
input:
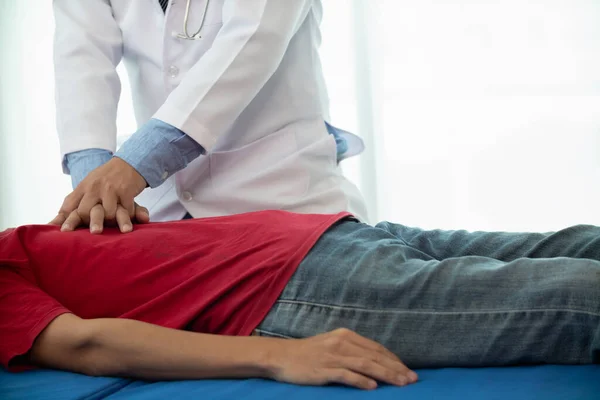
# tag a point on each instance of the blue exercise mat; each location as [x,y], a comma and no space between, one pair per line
[514,383]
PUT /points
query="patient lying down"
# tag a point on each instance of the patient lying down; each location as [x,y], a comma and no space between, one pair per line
[306,299]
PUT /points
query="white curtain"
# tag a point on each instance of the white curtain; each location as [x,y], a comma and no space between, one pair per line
[477,114]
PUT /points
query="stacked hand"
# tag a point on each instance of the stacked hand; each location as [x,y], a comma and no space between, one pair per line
[340,356]
[105,196]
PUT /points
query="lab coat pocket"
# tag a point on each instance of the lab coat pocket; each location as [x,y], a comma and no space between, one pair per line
[265,174]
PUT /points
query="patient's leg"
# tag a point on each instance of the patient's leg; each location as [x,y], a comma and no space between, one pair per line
[581,241]
[467,311]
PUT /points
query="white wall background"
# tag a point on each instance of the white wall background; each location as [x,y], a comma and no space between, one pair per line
[478,114]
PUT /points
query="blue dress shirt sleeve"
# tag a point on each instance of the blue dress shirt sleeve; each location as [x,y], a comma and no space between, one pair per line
[158,150]
[80,163]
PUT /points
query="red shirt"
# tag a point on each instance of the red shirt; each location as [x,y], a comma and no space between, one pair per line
[214,275]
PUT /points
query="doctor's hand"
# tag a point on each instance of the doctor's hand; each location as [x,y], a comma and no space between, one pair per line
[105,196]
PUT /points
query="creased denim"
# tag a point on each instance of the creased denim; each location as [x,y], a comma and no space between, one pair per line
[451,298]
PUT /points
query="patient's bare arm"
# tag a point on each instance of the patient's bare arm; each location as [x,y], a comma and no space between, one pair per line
[119,347]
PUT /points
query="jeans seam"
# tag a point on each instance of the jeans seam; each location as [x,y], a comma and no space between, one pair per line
[510,311]
[261,331]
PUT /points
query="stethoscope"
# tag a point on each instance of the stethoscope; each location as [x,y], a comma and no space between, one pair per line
[185,34]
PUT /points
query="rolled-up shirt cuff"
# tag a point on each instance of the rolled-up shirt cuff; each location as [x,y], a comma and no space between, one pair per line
[80,163]
[158,150]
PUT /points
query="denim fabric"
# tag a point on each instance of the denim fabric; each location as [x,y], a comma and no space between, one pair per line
[451,298]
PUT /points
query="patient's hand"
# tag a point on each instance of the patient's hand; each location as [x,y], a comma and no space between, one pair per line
[106,195]
[341,356]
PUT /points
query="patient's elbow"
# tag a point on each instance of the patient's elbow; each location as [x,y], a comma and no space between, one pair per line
[93,358]
[73,344]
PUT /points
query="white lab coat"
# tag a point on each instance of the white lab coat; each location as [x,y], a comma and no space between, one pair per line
[251,92]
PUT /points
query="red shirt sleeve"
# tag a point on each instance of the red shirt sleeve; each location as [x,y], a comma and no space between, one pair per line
[25,310]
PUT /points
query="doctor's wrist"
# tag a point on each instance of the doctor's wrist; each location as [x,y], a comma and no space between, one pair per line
[135,179]
[80,163]
[145,166]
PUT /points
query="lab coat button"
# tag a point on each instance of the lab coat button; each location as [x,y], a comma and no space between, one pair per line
[187,196]
[165,175]
[173,71]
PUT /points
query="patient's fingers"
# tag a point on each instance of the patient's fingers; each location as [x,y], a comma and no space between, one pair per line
[371,345]
[71,222]
[123,220]
[97,219]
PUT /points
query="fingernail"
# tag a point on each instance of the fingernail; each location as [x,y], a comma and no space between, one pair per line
[412,376]
[65,227]
[127,228]
[95,228]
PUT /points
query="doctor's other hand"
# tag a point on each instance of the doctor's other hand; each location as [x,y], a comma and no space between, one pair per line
[105,196]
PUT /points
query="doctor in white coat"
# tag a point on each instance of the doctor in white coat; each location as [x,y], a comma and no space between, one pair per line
[230,102]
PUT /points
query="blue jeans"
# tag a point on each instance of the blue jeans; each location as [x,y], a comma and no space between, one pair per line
[450,298]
